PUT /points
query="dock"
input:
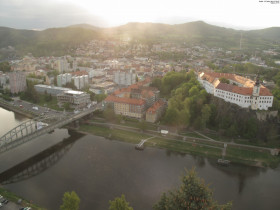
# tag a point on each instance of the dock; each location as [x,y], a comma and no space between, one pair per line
[140,146]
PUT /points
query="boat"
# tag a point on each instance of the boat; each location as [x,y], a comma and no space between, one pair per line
[223,162]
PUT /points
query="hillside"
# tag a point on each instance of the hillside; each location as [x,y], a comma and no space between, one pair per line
[56,41]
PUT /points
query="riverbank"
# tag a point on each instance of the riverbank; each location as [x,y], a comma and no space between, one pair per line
[234,153]
[9,107]
[14,198]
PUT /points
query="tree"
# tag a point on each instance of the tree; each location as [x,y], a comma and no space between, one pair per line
[192,194]
[66,106]
[119,204]
[224,80]
[5,66]
[71,201]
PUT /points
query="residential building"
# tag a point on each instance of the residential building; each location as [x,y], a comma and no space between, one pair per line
[102,88]
[134,100]
[62,65]
[80,82]
[130,107]
[155,111]
[124,77]
[76,99]
[4,80]
[17,81]
[63,79]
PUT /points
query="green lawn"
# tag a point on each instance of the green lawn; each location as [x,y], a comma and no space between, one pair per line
[209,149]
[14,198]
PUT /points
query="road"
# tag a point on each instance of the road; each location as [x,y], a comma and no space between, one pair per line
[27,106]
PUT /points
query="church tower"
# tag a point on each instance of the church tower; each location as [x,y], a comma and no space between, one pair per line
[256,94]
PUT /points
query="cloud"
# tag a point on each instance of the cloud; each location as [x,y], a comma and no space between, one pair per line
[33,14]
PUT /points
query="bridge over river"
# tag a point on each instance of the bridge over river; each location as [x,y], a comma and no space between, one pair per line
[38,126]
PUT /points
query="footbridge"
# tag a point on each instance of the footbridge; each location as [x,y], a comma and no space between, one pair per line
[38,126]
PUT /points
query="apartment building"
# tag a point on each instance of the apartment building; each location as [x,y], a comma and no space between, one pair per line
[155,111]
[17,81]
[124,77]
[134,100]
[80,82]
[63,79]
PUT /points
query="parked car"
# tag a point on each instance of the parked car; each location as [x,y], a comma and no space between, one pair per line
[5,201]
[25,208]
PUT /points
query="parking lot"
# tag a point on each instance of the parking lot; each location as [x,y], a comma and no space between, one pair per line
[10,206]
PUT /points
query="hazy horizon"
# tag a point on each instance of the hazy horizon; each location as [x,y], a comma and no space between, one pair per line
[40,15]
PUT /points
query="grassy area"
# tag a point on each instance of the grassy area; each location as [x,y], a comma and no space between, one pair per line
[264,158]
[191,134]
[270,144]
[14,198]
[185,147]
[217,137]
[126,136]
[209,149]
[52,104]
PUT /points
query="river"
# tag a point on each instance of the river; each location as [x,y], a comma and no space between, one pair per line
[98,170]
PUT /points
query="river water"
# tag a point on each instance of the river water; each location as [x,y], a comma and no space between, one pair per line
[98,170]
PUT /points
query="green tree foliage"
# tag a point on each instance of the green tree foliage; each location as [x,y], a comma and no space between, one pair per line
[190,105]
[99,97]
[119,203]
[109,114]
[224,80]
[192,194]
[30,94]
[5,66]
[187,104]
[71,201]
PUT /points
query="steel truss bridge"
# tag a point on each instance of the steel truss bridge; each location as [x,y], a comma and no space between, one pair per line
[38,126]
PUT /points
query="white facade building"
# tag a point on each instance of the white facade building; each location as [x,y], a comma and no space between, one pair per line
[124,78]
[246,94]
[63,79]
[80,82]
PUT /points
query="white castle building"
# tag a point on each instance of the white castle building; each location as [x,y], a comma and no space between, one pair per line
[241,91]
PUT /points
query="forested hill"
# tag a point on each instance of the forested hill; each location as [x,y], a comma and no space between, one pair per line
[55,41]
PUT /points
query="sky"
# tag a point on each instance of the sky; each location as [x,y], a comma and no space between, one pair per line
[42,14]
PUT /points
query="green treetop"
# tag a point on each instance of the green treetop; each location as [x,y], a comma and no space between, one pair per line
[71,201]
[192,194]
[119,204]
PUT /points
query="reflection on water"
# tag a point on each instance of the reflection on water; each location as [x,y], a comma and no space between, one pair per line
[99,170]
[9,120]
[242,173]
[40,162]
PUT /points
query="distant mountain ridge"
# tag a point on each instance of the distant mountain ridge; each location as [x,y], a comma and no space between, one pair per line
[55,41]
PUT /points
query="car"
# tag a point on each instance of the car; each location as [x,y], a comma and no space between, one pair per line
[1,205]
[5,201]
[25,208]
[20,106]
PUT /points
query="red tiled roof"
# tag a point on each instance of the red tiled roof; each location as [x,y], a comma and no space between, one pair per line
[79,73]
[242,90]
[133,101]
[265,92]
[155,107]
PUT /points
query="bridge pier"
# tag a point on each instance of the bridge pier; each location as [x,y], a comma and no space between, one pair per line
[77,123]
